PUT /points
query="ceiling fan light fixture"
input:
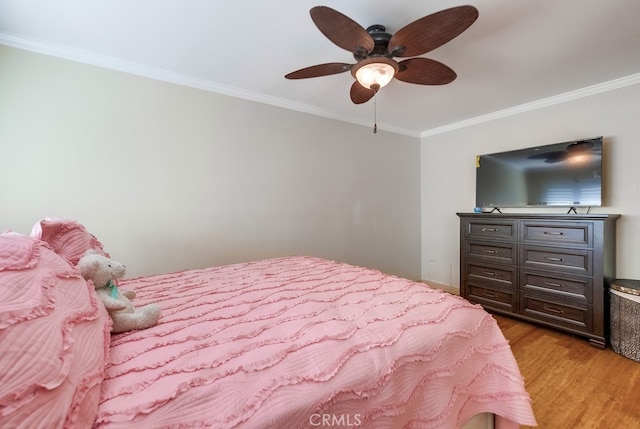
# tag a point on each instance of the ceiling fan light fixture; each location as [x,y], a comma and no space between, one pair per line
[375,72]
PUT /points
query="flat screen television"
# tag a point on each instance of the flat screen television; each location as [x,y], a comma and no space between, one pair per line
[567,174]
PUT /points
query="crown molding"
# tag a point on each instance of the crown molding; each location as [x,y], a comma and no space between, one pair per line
[156,73]
[538,104]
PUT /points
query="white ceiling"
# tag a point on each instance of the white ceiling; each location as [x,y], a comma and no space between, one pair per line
[518,54]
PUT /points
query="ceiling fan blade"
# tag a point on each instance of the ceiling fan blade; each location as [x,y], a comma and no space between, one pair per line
[342,30]
[424,71]
[360,94]
[431,31]
[550,157]
[319,70]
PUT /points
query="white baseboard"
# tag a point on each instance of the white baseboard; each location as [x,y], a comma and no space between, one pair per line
[449,289]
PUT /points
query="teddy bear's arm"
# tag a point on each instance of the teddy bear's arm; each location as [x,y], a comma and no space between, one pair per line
[111,304]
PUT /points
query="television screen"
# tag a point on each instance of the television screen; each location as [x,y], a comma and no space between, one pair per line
[567,174]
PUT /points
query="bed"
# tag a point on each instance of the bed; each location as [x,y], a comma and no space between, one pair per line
[291,342]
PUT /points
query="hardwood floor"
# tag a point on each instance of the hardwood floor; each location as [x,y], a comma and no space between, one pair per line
[572,384]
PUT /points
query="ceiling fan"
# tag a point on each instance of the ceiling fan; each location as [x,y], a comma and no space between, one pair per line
[374,49]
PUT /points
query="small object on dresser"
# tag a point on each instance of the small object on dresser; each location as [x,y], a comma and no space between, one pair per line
[625,318]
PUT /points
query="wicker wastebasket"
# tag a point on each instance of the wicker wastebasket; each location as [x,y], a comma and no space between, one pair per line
[625,318]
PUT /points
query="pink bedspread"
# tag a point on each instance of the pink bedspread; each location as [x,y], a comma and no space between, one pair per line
[305,342]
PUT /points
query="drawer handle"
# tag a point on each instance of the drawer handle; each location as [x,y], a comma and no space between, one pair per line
[552,310]
[489,273]
[554,284]
[491,252]
[490,295]
[553,233]
[551,258]
[485,229]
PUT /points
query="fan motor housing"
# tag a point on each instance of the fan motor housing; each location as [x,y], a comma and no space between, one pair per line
[381,39]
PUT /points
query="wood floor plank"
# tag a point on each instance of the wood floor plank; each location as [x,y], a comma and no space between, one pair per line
[573,384]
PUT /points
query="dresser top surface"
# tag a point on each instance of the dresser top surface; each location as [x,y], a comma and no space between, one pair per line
[540,216]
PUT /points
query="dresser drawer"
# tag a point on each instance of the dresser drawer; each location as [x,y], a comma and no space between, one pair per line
[504,253]
[568,234]
[576,289]
[576,261]
[487,274]
[497,299]
[573,317]
[483,229]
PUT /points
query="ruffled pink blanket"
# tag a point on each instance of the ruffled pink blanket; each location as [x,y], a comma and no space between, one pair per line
[304,342]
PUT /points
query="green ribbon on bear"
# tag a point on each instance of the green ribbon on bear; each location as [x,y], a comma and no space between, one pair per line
[114,289]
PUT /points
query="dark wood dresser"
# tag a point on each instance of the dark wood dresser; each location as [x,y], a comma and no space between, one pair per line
[549,269]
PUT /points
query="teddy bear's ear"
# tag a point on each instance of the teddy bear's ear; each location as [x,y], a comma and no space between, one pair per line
[90,252]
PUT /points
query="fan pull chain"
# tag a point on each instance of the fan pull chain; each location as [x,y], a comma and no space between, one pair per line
[375,112]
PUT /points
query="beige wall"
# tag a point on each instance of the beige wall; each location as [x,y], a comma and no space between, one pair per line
[171,178]
[613,114]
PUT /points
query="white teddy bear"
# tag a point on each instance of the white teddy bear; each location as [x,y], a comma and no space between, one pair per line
[102,271]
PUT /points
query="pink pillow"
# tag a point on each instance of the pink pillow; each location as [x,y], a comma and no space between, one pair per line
[54,336]
[68,238]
